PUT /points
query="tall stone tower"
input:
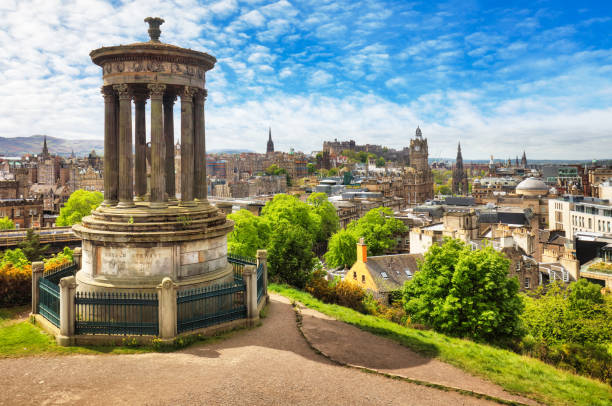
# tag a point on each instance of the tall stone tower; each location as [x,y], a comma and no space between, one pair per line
[270,146]
[418,152]
[460,181]
[418,184]
[524,160]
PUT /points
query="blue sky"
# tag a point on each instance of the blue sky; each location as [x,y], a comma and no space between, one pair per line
[499,77]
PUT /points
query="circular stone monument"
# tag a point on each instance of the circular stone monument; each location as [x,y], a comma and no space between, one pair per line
[141,234]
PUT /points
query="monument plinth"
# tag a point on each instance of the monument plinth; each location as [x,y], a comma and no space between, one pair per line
[138,236]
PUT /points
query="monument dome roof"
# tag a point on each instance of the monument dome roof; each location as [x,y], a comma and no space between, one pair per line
[532,184]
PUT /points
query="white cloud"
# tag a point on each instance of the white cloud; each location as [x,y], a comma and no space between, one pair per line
[319,78]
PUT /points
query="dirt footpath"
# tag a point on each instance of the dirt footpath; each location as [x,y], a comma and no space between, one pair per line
[269,365]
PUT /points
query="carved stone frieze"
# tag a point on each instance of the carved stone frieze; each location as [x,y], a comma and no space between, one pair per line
[151,65]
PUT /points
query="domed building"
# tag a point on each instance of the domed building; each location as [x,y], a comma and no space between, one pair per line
[532,187]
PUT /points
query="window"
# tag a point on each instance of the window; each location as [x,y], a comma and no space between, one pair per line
[354,275]
[384,275]
[408,273]
[590,225]
[527,283]
[362,278]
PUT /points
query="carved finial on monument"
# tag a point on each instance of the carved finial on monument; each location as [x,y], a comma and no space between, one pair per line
[154,31]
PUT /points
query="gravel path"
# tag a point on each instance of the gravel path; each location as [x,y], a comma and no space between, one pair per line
[269,365]
[349,345]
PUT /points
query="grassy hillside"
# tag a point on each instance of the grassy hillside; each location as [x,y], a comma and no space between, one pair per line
[515,373]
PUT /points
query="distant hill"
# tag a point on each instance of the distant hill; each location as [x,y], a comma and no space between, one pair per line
[33,145]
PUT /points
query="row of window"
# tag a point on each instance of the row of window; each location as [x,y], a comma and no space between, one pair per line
[602,225]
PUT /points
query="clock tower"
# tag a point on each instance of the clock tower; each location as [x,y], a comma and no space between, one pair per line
[418,152]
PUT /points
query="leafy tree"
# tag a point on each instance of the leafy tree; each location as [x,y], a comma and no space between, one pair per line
[329,221]
[250,233]
[362,156]
[15,258]
[293,210]
[6,223]
[380,162]
[311,168]
[31,246]
[290,253]
[465,293]
[443,190]
[333,172]
[80,204]
[378,228]
[341,249]
[578,315]
[584,295]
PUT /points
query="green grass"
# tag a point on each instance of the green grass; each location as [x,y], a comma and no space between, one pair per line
[19,338]
[517,374]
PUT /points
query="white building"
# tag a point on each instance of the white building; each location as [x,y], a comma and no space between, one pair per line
[575,214]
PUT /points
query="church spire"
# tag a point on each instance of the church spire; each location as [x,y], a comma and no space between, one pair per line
[45,150]
[270,146]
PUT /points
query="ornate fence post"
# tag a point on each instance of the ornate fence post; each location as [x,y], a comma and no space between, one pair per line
[262,256]
[67,317]
[167,308]
[250,279]
[77,257]
[38,268]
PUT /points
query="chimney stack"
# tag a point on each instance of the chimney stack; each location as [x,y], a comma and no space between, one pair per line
[362,251]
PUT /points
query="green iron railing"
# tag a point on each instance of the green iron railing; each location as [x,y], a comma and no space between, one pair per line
[211,305]
[116,313]
[233,258]
[57,274]
[260,282]
[49,301]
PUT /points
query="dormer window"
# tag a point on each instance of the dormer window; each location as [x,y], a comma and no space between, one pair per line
[384,275]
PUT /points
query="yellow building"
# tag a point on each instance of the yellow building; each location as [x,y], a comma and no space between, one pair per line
[383,273]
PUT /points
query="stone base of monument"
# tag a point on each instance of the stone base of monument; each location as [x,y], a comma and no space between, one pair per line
[134,249]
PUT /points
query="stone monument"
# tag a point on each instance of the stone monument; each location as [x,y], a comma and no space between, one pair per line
[140,234]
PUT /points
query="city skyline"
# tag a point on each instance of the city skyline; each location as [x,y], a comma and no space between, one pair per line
[499,80]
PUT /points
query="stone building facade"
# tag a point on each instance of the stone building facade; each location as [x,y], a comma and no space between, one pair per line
[419,178]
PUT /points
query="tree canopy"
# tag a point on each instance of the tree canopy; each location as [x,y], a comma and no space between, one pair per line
[465,293]
[378,228]
[250,233]
[288,228]
[341,249]
[6,223]
[80,204]
[329,221]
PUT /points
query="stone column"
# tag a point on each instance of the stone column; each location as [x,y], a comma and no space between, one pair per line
[140,138]
[126,182]
[38,268]
[169,100]
[262,258]
[158,149]
[199,170]
[67,312]
[111,160]
[166,294]
[249,275]
[187,146]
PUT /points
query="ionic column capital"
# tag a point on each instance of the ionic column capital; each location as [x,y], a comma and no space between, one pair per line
[187,93]
[156,90]
[124,91]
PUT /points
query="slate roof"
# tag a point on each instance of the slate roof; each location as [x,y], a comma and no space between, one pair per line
[389,271]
